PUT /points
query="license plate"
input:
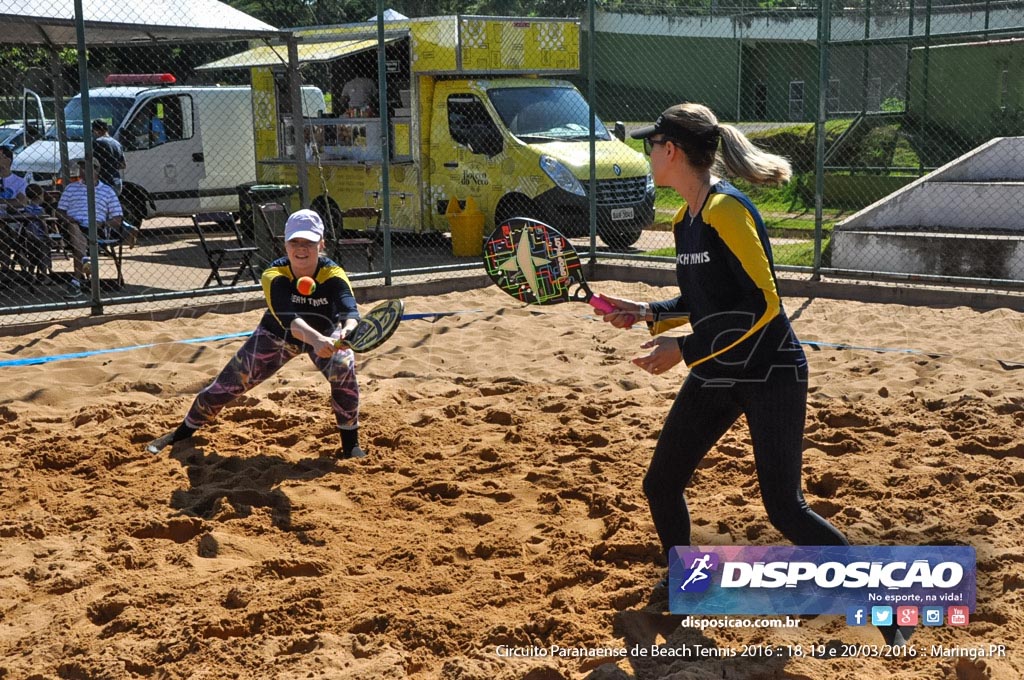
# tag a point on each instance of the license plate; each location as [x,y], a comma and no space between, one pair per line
[622,213]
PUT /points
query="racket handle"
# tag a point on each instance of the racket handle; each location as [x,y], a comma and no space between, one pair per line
[601,305]
[605,307]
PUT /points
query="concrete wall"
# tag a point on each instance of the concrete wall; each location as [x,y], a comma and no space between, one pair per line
[986,257]
[982,190]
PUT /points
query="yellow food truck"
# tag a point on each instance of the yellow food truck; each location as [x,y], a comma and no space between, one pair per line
[474,108]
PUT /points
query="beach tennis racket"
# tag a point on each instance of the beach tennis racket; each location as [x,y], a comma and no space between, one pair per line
[374,329]
[534,263]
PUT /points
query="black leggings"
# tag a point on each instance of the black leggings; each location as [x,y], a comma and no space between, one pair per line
[701,414]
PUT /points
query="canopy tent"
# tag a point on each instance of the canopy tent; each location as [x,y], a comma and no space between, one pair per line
[309,53]
[126,22]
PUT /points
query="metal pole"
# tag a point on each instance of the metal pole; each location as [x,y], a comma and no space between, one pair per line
[739,70]
[385,140]
[57,73]
[927,53]
[298,122]
[867,59]
[90,193]
[910,48]
[591,93]
[824,34]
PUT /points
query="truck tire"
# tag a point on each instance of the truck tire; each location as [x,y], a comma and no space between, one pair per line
[622,240]
[515,205]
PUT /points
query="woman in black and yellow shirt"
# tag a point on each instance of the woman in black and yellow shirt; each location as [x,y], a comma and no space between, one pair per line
[742,354]
[293,324]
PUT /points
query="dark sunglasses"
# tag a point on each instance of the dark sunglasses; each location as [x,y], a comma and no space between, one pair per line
[649,143]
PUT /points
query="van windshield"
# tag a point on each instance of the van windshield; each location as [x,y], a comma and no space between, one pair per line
[545,114]
[111,109]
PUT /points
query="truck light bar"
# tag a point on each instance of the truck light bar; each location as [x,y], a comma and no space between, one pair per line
[140,79]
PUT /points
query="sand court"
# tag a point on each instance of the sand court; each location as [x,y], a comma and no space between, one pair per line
[499,510]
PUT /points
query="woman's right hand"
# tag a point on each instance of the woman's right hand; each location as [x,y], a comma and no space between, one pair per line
[626,313]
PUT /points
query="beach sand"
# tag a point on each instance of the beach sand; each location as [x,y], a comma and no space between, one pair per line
[500,509]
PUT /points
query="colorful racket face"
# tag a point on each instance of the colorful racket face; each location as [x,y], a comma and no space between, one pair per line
[374,329]
[534,263]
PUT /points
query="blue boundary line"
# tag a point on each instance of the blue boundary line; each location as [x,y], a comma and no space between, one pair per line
[35,361]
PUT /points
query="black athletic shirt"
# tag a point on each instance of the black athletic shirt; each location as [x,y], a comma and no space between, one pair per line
[331,303]
[728,292]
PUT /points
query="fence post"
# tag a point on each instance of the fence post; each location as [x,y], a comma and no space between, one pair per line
[824,35]
[385,143]
[591,94]
[83,76]
[298,120]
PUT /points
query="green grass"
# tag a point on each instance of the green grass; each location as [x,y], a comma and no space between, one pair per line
[792,254]
[796,254]
[801,221]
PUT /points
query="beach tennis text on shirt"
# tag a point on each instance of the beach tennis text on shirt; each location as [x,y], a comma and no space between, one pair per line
[818,579]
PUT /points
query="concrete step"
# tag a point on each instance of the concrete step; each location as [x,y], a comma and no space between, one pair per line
[963,206]
[986,254]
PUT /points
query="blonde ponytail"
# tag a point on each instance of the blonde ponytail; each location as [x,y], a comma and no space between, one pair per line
[742,159]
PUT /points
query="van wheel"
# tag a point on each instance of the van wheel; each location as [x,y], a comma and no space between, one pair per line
[622,240]
[515,205]
[133,206]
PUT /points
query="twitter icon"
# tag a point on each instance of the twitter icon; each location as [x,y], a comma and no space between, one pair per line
[881,616]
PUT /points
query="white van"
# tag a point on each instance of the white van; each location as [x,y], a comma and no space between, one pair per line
[187,149]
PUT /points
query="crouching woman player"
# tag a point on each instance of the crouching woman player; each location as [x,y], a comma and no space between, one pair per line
[293,324]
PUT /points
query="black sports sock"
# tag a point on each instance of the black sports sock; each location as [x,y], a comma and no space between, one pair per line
[349,441]
[183,432]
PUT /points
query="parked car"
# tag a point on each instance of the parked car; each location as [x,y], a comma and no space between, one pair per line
[12,134]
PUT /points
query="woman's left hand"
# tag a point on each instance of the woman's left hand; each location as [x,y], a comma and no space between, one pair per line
[323,347]
[665,355]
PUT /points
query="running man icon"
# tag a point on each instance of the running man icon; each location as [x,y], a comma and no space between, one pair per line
[698,570]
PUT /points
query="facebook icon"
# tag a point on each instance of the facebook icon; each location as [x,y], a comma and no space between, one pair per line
[856,616]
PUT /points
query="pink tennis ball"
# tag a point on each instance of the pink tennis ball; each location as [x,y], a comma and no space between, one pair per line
[305,285]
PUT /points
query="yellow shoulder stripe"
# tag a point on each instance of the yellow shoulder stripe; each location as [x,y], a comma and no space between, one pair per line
[737,229]
[266,280]
[327,272]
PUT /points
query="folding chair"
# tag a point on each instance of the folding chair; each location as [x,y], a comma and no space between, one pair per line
[273,217]
[111,244]
[109,240]
[58,244]
[371,216]
[220,256]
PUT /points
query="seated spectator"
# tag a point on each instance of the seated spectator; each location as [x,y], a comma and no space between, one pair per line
[36,257]
[73,207]
[12,198]
[12,187]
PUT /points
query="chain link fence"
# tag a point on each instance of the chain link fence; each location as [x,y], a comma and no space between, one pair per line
[415,136]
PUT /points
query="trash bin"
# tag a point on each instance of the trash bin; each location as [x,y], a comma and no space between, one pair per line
[245,221]
[255,195]
[467,225]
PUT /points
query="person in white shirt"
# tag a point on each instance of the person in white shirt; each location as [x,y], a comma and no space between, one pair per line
[12,199]
[12,187]
[74,208]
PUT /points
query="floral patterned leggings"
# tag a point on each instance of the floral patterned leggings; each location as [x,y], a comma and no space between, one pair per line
[259,358]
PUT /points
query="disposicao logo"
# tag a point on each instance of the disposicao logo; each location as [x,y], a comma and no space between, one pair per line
[820,579]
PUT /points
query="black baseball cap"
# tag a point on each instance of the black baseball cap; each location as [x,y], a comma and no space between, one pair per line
[668,123]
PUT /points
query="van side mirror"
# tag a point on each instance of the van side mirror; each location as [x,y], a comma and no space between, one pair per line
[619,130]
[485,139]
